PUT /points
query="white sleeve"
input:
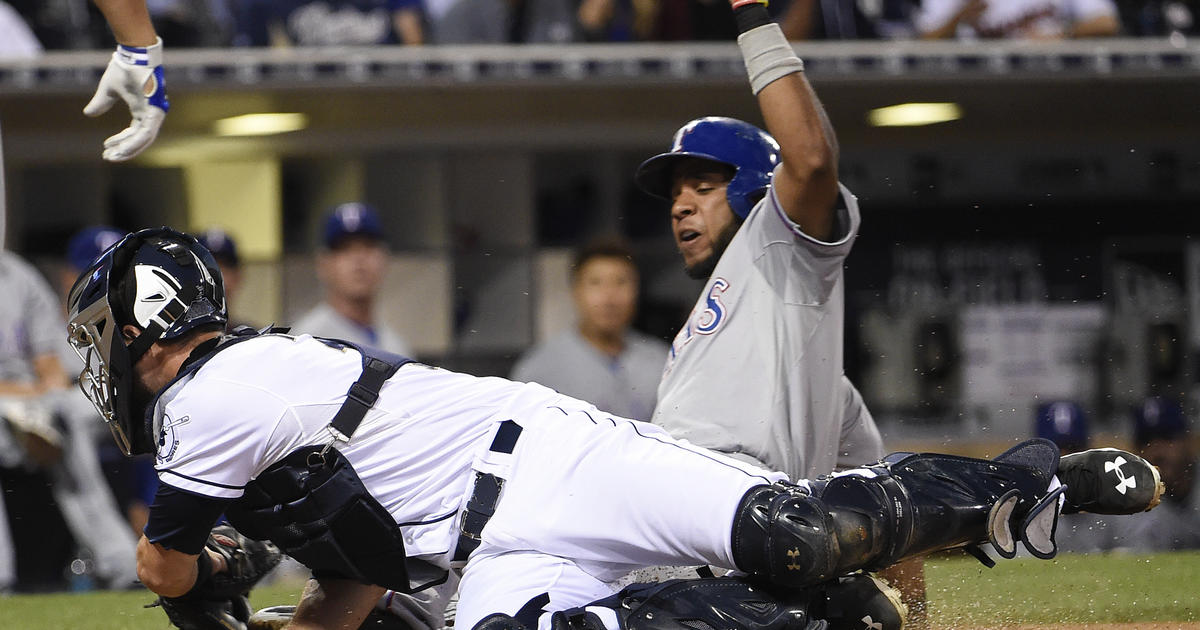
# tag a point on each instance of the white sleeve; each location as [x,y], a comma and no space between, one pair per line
[214,435]
[933,14]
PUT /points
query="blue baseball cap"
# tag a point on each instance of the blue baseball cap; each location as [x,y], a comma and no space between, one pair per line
[352,219]
[221,244]
[1158,418]
[87,244]
[1064,423]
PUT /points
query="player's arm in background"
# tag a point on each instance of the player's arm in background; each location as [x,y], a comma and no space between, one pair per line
[334,604]
[134,75]
[806,184]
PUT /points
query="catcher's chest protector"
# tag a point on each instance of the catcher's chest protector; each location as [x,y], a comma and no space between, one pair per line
[314,507]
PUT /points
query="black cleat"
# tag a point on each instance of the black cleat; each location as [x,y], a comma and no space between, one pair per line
[1109,481]
[861,602]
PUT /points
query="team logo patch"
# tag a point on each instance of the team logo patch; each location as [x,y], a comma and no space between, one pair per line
[706,318]
[168,443]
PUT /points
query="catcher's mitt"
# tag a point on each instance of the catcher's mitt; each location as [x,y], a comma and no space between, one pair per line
[193,612]
[246,562]
[219,602]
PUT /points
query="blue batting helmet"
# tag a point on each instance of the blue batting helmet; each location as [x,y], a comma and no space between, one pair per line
[750,151]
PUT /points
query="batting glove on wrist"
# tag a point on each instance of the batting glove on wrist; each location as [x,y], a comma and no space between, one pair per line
[134,75]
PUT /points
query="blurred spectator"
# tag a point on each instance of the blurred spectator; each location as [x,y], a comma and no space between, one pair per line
[328,22]
[192,23]
[601,359]
[1016,19]
[505,21]
[48,466]
[17,40]
[224,250]
[1162,436]
[825,19]
[351,266]
[695,20]
[1156,18]
[1065,423]
[844,19]
[616,20]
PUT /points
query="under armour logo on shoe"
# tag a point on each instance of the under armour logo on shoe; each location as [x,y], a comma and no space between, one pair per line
[1123,483]
[871,624]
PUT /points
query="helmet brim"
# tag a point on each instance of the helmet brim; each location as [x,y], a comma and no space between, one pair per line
[654,176]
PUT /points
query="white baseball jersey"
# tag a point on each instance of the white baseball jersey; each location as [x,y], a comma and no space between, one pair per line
[324,321]
[558,525]
[757,369]
[1015,18]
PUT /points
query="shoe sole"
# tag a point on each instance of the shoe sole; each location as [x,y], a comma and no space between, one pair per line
[268,619]
[1159,488]
[893,596]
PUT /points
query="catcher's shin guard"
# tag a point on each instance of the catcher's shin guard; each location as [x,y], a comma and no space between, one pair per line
[904,506]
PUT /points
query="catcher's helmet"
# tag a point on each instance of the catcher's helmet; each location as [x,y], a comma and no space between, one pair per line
[162,281]
[752,153]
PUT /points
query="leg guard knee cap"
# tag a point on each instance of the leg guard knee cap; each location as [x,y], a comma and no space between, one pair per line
[783,533]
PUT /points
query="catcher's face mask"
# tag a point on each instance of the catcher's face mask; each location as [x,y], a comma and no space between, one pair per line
[169,288]
[95,336]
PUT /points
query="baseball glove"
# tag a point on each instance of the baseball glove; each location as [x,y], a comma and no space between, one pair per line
[193,612]
[219,603]
[246,562]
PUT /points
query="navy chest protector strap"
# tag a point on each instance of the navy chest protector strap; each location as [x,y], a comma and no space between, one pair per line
[314,507]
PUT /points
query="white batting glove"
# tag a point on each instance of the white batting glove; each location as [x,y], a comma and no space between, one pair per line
[135,75]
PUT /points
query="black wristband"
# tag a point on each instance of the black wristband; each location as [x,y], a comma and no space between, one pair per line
[204,571]
[751,16]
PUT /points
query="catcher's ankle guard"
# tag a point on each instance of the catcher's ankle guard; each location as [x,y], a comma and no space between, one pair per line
[904,506]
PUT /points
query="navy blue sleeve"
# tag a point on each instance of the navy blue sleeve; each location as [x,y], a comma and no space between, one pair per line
[181,520]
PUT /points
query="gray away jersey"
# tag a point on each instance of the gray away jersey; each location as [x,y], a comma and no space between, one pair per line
[757,369]
[30,320]
[323,321]
[624,385]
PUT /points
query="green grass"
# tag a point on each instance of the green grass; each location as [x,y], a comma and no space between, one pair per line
[1070,589]
[1112,588]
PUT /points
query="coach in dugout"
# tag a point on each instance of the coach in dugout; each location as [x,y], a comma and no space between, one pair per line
[351,264]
